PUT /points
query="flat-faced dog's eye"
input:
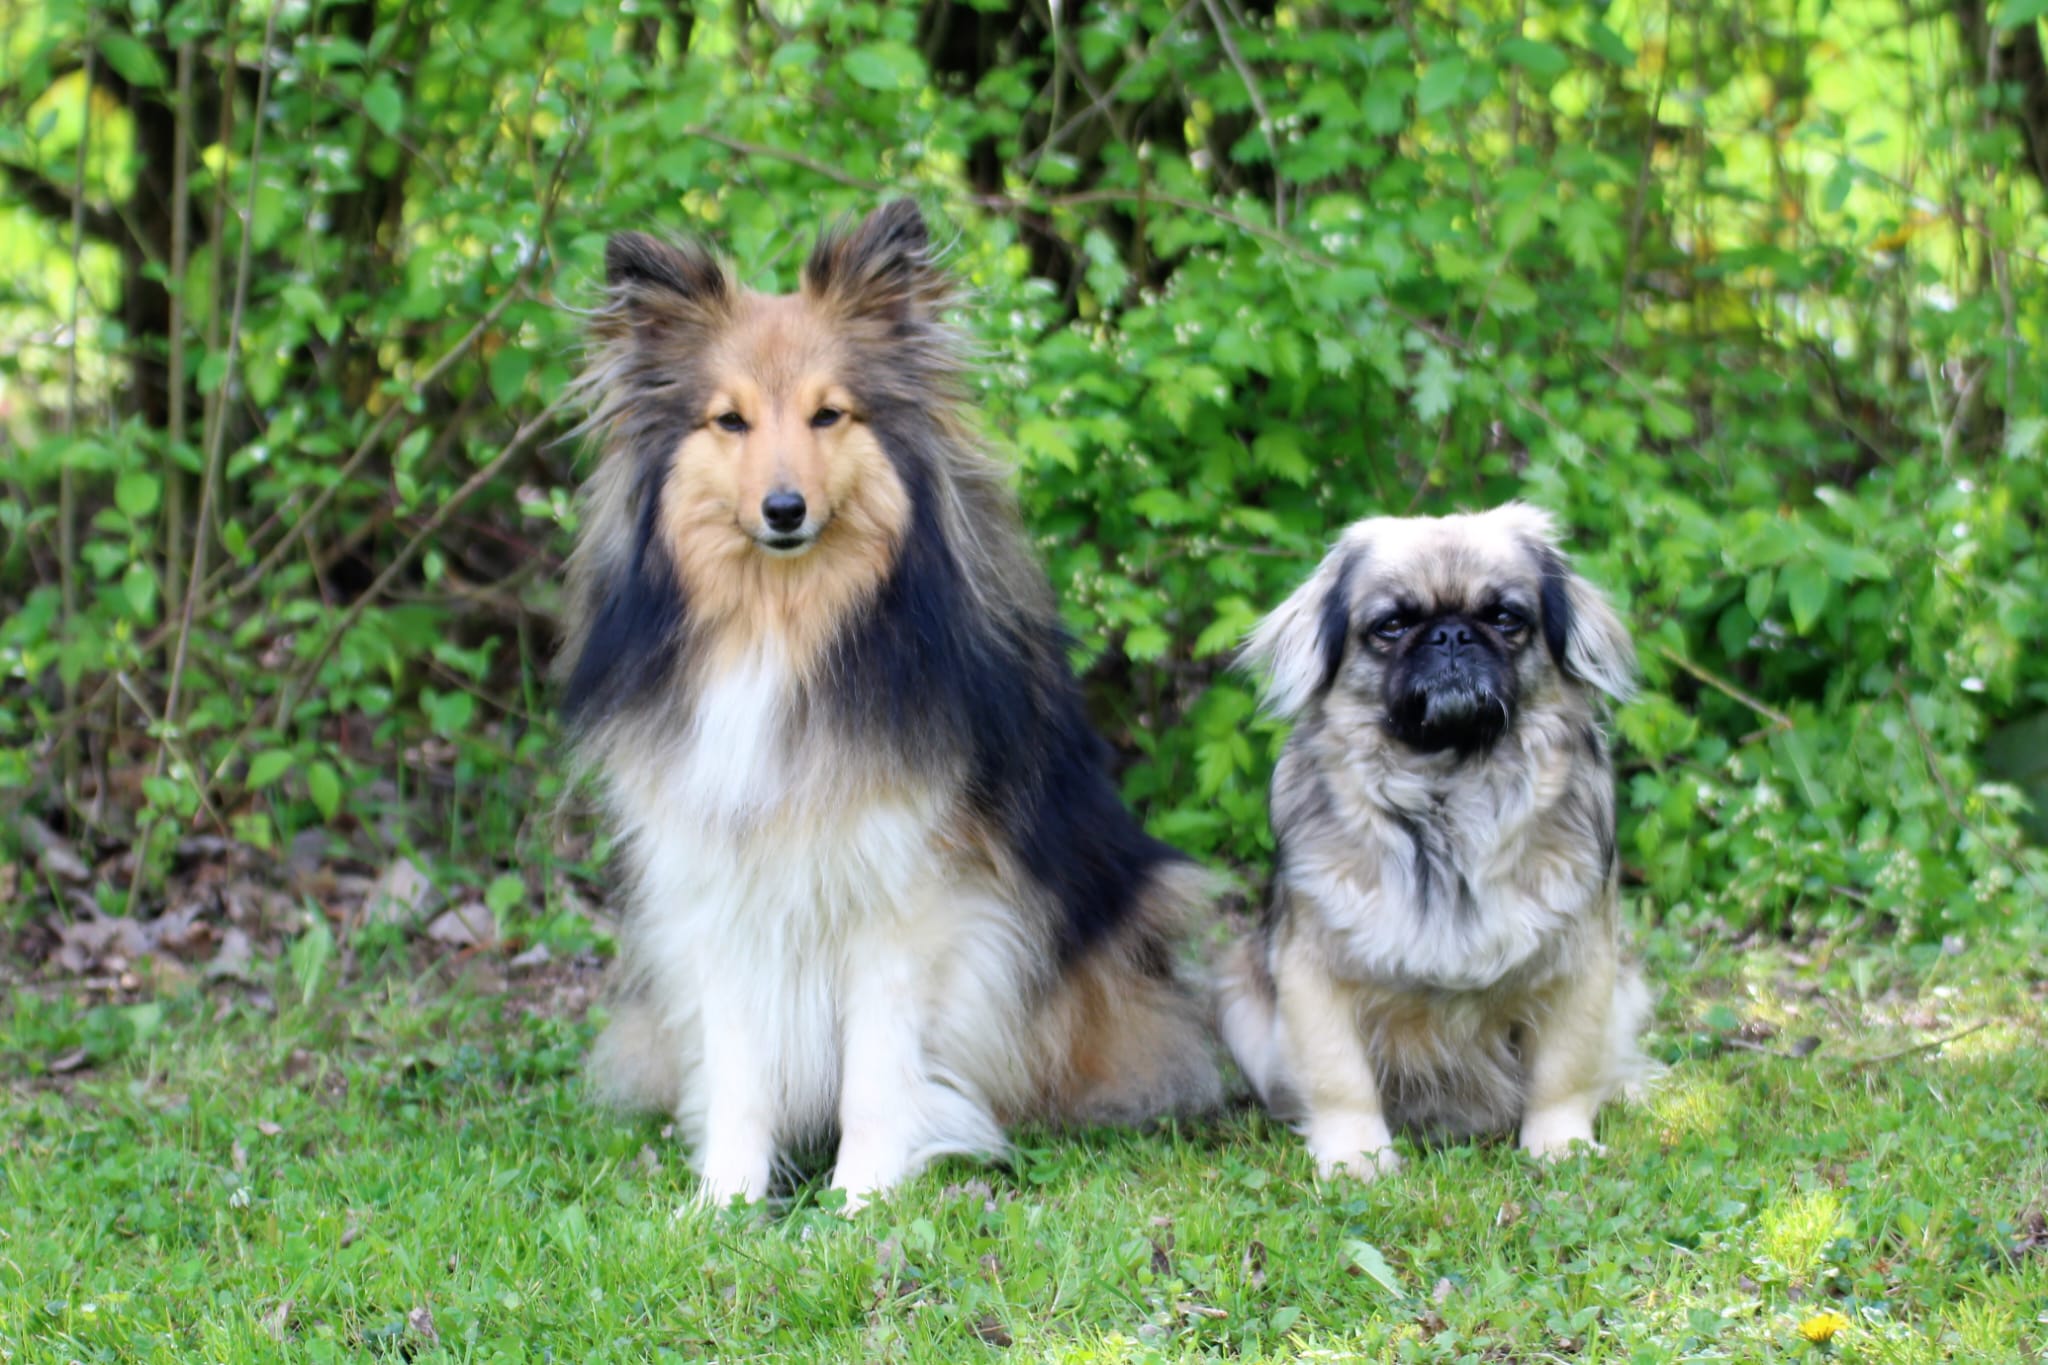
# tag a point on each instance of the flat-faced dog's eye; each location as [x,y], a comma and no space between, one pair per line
[1506,620]
[732,422]
[1391,627]
[825,417]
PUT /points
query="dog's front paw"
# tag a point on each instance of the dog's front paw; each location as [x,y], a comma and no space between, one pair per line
[1553,1134]
[1358,1146]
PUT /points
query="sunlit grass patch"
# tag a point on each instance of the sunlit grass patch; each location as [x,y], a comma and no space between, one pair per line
[392,1173]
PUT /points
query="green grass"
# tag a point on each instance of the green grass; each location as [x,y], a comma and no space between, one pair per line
[299,1184]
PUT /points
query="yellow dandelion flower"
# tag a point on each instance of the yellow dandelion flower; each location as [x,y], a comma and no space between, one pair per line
[1822,1327]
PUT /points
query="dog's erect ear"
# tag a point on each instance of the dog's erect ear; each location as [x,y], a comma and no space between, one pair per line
[882,267]
[1301,642]
[648,281]
[1585,634]
[633,261]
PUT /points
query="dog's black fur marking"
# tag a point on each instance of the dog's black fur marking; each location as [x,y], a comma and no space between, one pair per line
[1333,628]
[1557,606]
[636,627]
[924,671]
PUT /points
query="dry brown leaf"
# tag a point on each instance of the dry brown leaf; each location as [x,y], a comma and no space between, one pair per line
[54,853]
[468,925]
[402,894]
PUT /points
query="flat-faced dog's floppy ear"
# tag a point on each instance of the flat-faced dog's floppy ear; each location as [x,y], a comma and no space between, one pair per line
[648,281]
[883,267]
[1301,643]
[1585,634]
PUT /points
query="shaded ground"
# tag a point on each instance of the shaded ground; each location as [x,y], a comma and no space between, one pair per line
[268,1162]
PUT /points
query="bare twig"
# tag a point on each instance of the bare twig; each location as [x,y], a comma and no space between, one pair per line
[1251,88]
[1929,1046]
[1639,207]
[1948,793]
[1779,720]
[1102,101]
[287,694]
[67,489]
[370,443]
[209,482]
[181,208]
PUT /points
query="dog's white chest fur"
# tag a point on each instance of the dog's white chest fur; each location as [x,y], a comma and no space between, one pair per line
[1457,892]
[778,905]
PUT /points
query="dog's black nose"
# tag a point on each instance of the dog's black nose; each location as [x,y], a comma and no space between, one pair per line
[1450,637]
[783,510]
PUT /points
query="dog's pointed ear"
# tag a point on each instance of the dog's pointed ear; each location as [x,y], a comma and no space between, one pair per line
[648,280]
[1300,644]
[1584,633]
[882,267]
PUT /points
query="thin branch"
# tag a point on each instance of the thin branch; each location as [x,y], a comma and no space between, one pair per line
[1103,101]
[1955,805]
[815,167]
[1251,88]
[370,443]
[168,741]
[1929,1046]
[181,209]
[216,435]
[67,485]
[287,695]
[1779,720]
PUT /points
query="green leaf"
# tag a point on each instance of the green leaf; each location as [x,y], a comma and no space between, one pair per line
[504,894]
[451,712]
[136,63]
[1147,642]
[1840,181]
[2013,13]
[323,784]
[1608,45]
[1369,1259]
[509,368]
[267,767]
[1278,450]
[385,105]
[136,493]
[138,585]
[1048,440]
[1442,85]
[886,65]
[309,956]
[1544,61]
[1806,591]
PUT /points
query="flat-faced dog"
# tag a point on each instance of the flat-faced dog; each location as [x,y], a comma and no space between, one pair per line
[1441,953]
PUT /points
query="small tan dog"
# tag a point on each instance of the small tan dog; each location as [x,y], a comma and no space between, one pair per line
[1442,953]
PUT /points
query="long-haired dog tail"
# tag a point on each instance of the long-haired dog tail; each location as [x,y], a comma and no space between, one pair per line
[636,1064]
[1248,1017]
[1139,1042]
[1630,1071]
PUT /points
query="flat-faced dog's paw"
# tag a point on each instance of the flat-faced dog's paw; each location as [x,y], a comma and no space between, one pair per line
[1555,1134]
[1359,1147]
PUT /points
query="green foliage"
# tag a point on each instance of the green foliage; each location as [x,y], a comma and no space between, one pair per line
[1239,278]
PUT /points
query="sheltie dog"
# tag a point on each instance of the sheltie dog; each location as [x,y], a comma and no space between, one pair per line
[881,884]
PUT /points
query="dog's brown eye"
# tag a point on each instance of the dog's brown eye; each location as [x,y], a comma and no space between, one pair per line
[1391,627]
[1505,621]
[825,417]
[731,421]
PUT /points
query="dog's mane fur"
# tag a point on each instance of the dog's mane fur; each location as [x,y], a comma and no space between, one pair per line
[956,661]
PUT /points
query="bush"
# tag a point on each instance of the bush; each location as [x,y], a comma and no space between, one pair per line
[289,497]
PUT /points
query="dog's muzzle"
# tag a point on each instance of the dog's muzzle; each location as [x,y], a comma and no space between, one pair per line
[1453,706]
